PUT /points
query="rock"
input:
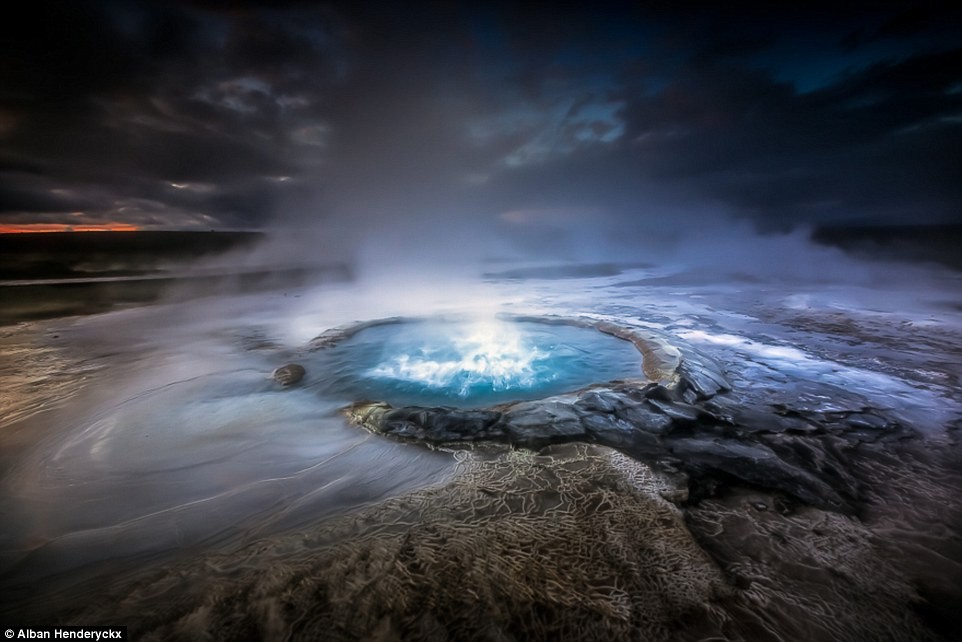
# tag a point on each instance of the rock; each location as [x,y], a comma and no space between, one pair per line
[618,433]
[600,402]
[676,495]
[367,414]
[333,336]
[677,411]
[289,374]
[702,376]
[814,398]
[659,392]
[442,425]
[661,359]
[532,423]
[755,419]
[823,456]
[602,425]
[755,464]
[866,420]
[646,418]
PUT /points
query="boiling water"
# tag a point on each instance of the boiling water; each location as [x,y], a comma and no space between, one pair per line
[470,364]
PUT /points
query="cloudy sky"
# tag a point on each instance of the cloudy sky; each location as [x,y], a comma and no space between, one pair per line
[247,115]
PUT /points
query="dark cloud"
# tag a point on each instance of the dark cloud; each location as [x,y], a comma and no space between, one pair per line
[916,21]
[880,143]
[20,195]
[252,114]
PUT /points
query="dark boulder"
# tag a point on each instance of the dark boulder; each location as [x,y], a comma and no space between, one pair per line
[289,374]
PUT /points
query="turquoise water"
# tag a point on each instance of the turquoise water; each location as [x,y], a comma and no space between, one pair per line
[470,364]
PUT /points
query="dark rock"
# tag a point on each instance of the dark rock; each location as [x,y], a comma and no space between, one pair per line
[866,420]
[439,425]
[659,392]
[702,376]
[543,422]
[289,374]
[758,419]
[677,411]
[606,424]
[725,413]
[618,433]
[754,464]
[600,402]
[813,398]
[689,396]
[482,422]
[646,418]
[824,456]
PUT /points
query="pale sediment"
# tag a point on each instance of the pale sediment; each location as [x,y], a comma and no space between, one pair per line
[574,542]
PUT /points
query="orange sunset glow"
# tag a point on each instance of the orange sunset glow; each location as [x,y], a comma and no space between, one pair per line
[62,227]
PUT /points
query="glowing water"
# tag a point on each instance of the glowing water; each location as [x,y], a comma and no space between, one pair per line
[471,364]
[491,354]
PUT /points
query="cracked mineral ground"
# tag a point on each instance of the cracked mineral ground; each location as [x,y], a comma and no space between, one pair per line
[783,465]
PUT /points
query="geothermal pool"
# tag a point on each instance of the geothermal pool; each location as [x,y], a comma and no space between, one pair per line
[470,363]
[153,473]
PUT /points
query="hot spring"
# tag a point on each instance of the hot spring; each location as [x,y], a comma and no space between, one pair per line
[469,363]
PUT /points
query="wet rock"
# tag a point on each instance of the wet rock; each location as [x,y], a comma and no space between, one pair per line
[825,456]
[677,411]
[543,422]
[333,336]
[604,424]
[751,419]
[702,376]
[618,433]
[661,359]
[367,414]
[600,402]
[866,420]
[724,412]
[755,464]
[289,374]
[870,428]
[441,425]
[327,339]
[659,392]
[646,418]
[813,398]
